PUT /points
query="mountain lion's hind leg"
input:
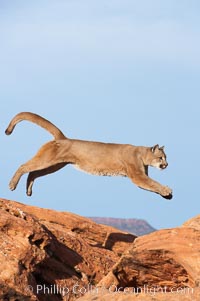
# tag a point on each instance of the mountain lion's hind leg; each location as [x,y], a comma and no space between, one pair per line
[30,166]
[44,158]
[40,173]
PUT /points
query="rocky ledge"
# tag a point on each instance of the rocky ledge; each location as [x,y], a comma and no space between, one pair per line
[45,254]
[50,255]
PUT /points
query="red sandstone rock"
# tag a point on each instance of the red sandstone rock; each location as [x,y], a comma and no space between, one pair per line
[164,265]
[164,258]
[45,254]
[42,248]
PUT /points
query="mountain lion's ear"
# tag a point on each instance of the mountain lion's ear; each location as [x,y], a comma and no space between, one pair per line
[162,147]
[154,148]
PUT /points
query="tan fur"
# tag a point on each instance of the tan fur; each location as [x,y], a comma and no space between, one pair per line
[93,157]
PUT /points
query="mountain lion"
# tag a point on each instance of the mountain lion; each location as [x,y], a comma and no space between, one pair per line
[107,159]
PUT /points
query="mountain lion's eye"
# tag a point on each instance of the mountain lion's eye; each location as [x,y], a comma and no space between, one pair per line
[160,158]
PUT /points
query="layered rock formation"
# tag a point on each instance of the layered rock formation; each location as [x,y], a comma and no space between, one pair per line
[44,253]
[164,265]
[49,255]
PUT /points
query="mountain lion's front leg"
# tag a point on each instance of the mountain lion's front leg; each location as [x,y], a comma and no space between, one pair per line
[144,182]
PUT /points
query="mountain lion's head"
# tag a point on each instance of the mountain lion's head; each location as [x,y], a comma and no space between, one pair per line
[157,157]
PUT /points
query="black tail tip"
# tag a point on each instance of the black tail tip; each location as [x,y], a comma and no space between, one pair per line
[7,132]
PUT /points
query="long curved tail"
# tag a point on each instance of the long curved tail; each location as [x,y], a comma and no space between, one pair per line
[44,123]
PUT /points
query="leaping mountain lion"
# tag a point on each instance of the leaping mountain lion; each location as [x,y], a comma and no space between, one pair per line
[107,159]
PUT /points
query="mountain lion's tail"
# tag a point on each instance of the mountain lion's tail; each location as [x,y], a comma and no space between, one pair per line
[44,123]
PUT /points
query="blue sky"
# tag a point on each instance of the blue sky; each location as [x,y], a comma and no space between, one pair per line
[113,71]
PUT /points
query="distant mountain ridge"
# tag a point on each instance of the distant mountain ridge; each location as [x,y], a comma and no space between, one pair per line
[132,225]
